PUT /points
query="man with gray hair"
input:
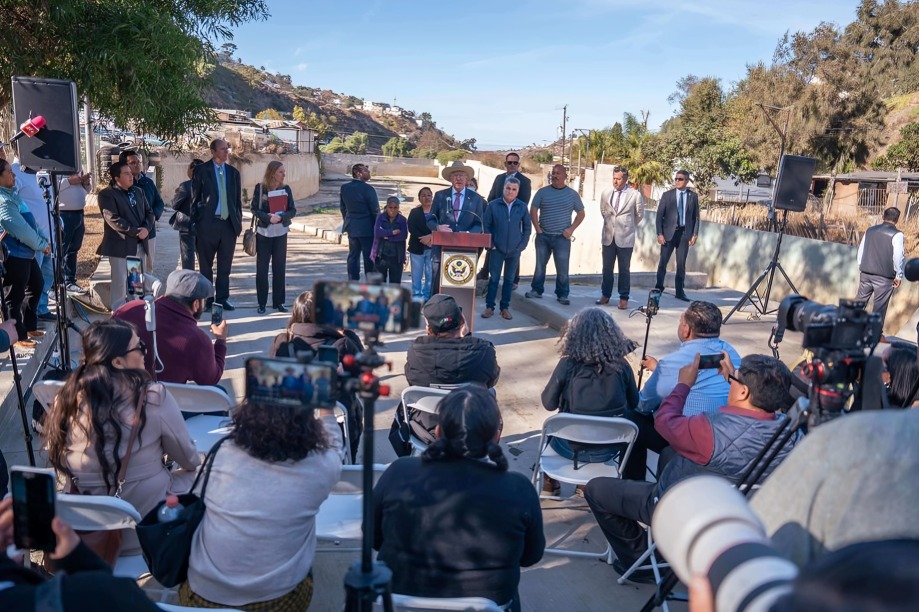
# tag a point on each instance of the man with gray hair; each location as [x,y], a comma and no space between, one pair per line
[880,262]
[508,222]
[183,351]
[623,210]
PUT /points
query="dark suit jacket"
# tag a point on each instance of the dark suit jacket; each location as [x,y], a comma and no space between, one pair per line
[205,196]
[497,188]
[263,213]
[472,203]
[123,221]
[359,207]
[668,216]
[181,204]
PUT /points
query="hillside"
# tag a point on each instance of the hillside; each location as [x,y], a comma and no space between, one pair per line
[243,87]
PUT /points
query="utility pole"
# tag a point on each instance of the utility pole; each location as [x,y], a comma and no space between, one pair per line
[564,130]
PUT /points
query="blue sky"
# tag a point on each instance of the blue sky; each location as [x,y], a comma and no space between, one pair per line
[501,73]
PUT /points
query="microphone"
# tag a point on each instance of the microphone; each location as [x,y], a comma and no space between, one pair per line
[29,127]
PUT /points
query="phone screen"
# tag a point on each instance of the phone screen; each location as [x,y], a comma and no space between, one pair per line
[327,354]
[710,362]
[135,282]
[216,314]
[33,508]
[358,306]
[290,383]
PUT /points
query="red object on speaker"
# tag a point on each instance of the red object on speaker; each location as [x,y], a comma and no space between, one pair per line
[32,126]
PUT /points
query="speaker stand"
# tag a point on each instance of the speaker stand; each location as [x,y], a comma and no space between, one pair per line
[761,305]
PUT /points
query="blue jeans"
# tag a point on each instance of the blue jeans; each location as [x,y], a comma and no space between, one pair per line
[598,454]
[422,266]
[496,261]
[559,248]
[73,230]
[47,273]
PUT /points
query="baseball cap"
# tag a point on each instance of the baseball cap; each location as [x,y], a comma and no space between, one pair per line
[189,285]
[442,313]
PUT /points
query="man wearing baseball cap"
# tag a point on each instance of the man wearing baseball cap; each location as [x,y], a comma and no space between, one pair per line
[184,352]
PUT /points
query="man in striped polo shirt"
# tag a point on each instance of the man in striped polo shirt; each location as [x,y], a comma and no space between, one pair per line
[551,212]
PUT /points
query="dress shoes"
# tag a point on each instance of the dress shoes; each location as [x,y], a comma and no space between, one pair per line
[683,297]
[506,314]
[623,304]
[227,305]
[603,300]
[261,310]
[489,312]
[280,308]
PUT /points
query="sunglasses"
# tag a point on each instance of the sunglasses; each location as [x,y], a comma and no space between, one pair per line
[679,179]
[140,347]
[510,163]
[737,380]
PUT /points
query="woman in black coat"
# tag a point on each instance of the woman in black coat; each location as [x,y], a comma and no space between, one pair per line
[273,206]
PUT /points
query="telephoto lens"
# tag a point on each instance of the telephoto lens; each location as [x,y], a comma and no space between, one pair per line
[703,526]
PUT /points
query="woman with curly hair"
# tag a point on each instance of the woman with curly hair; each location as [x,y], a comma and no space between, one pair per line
[255,545]
[87,430]
[591,378]
[454,522]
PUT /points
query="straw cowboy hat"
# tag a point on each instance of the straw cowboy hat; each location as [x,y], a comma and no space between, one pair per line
[457,166]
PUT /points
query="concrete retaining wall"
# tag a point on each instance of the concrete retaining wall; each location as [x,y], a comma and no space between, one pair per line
[340,164]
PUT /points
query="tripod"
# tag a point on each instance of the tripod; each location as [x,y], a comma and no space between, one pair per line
[654,300]
[367,580]
[17,378]
[762,301]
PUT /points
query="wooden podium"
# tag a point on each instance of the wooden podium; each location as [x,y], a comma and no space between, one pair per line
[457,270]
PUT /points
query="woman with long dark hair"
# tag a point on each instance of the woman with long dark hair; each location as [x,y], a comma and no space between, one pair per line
[254,547]
[419,245]
[454,522]
[271,235]
[901,375]
[87,430]
[591,378]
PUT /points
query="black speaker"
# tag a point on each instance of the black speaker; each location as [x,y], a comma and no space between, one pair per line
[56,147]
[793,182]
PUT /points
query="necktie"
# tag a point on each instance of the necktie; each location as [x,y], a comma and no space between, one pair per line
[456,207]
[616,202]
[222,192]
[681,209]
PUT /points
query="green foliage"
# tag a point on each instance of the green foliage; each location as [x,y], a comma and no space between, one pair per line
[904,154]
[448,157]
[142,64]
[543,157]
[396,147]
[270,113]
[424,153]
[355,144]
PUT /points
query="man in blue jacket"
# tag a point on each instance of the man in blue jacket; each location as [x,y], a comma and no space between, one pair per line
[359,209]
[508,221]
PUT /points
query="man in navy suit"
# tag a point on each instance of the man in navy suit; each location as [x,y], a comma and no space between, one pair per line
[677,229]
[360,207]
[456,209]
[217,212]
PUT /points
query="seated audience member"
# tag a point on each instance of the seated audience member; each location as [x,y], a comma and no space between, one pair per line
[255,545]
[447,356]
[185,351]
[87,431]
[83,581]
[455,522]
[725,444]
[901,375]
[301,326]
[592,378]
[698,331]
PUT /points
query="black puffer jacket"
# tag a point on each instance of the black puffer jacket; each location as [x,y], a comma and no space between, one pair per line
[346,341]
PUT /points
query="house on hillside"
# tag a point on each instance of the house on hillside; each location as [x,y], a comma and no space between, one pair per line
[375,107]
[868,191]
[297,135]
[394,110]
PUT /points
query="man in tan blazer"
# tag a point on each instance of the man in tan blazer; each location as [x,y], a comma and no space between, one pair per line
[623,210]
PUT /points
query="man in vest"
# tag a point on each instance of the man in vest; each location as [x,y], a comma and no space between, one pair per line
[880,262]
[725,444]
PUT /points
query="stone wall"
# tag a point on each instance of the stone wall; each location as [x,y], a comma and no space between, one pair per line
[339,164]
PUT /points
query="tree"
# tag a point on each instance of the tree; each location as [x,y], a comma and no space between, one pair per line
[142,63]
[355,144]
[396,147]
[447,157]
[902,155]
[543,157]
[299,114]
[270,113]
[468,144]
[227,50]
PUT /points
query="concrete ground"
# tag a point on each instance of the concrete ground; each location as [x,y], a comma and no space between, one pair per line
[526,348]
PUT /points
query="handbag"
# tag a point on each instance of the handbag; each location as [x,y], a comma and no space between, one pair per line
[107,543]
[167,546]
[249,239]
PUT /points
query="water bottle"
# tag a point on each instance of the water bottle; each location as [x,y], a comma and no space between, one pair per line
[171,510]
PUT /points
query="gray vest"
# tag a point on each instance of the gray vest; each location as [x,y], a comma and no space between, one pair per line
[738,440]
[877,254]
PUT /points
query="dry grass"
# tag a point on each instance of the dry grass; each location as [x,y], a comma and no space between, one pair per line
[87,260]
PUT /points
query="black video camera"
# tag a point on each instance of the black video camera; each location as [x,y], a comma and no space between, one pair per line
[848,327]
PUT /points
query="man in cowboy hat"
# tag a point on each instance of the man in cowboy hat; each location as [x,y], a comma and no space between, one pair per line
[456,209]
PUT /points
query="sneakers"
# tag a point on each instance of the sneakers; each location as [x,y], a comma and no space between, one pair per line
[27,345]
[564,301]
[35,334]
[75,289]
[533,294]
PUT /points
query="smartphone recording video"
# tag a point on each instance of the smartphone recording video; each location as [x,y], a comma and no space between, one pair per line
[387,308]
[290,383]
[33,507]
[710,362]
[135,280]
[216,314]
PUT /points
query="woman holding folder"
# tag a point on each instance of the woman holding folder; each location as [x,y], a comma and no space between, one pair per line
[273,207]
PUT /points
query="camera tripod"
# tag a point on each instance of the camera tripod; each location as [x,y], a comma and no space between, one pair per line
[17,378]
[654,300]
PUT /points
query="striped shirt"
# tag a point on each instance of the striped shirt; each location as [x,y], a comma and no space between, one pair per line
[555,207]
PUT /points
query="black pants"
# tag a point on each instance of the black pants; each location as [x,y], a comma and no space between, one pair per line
[391,269]
[273,250]
[359,250]
[648,439]
[72,230]
[618,505]
[187,250]
[22,287]
[613,255]
[680,244]
[216,238]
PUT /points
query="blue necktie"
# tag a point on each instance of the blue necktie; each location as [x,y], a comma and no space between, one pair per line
[681,209]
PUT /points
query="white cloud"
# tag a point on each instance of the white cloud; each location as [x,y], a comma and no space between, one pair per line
[301,67]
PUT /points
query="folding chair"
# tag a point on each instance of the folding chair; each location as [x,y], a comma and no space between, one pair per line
[584,429]
[425,399]
[204,429]
[46,390]
[341,415]
[341,514]
[409,603]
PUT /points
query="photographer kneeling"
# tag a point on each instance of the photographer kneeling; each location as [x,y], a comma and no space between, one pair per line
[724,444]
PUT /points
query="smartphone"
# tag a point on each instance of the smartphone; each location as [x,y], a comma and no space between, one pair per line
[216,314]
[281,382]
[654,302]
[352,305]
[710,362]
[327,354]
[135,280]
[33,507]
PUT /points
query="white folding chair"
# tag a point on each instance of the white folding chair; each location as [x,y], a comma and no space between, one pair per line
[409,603]
[425,399]
[205,430]
[341,514]
[584,429]
[103,513]
[46,390]
[341,416]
